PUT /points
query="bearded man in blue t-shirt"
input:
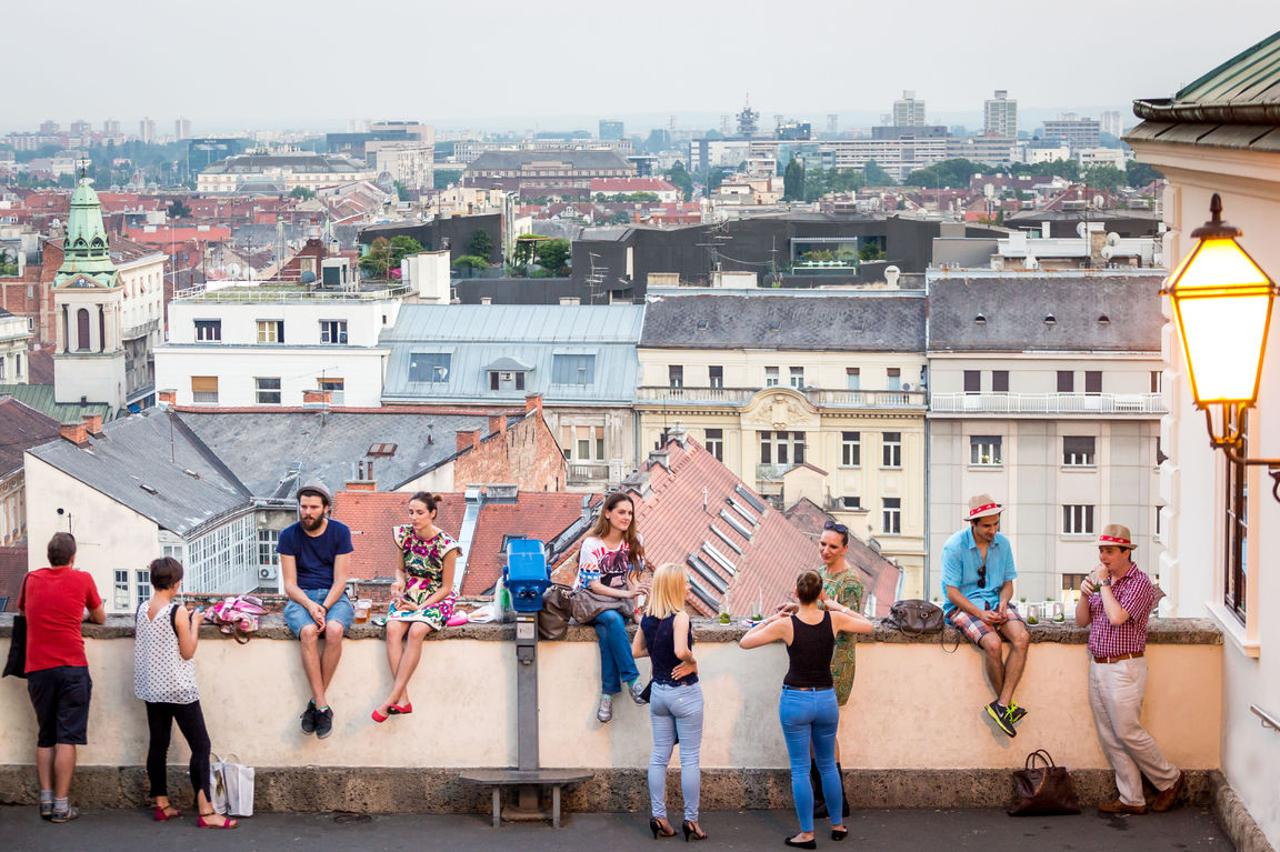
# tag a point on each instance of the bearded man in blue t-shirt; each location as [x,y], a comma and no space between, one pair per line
[315,554]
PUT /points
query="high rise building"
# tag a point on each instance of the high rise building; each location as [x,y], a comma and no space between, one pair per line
[1111,123]
[111,127]
[48,127]
[748,120]
[1000,116]
[611,129]
[81,128]
[908,112]
[1072,131]
[147,130]
[182,128]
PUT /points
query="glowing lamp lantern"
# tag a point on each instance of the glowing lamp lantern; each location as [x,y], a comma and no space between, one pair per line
[1222,300]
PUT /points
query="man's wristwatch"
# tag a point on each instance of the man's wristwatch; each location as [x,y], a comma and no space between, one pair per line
[1106,582]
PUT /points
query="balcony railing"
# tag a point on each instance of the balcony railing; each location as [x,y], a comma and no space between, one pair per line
[771,472]
[1047,403]
[819,397]
[584,473]
[140,330]
[286,292]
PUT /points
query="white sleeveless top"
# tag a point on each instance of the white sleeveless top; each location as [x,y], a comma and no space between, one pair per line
[160,675]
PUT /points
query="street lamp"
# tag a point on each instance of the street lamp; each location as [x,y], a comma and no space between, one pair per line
[1222,300]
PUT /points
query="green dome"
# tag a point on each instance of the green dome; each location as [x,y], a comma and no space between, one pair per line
[85,248]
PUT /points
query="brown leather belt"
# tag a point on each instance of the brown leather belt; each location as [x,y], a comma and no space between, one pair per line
[1118,659]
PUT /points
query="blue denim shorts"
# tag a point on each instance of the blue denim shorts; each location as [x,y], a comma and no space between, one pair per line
[297,617]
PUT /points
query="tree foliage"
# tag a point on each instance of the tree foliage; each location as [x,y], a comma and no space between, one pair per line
[1104,177]
[470,262]
[401,247]
[553,255]
[179,209]
[302,192]
[679,177]
[793,181]
[1140,174]
[377,260]
[480,244]
[875,175]
[948,173]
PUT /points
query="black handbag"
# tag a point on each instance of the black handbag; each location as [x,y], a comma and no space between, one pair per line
[915,617]
[16,664]
[1045,790]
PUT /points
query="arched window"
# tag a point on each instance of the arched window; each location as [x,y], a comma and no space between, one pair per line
[82,330]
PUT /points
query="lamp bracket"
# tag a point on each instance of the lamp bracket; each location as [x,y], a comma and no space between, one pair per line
[1216,227]
[1231,442]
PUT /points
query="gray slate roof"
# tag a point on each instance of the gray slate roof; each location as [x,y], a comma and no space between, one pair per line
[874,321]
[578,159]
[1015,309]
[476,337]
[153,449]
[275,451]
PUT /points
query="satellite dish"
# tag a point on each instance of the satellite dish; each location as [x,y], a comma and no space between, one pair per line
[1108,252]
[1098,201]
[1082,228]
[1113,239]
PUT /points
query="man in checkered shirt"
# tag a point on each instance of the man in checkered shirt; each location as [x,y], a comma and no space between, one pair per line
[1115,603]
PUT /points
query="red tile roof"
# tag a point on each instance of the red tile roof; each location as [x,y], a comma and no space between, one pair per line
[22,427]
[164,236]
[372,515]
[13,567]
[638,184]
[676,518]
[879,576]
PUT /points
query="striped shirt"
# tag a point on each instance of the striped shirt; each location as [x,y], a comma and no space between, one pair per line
[1136,595]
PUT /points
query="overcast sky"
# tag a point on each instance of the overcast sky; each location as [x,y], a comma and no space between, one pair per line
[234,64]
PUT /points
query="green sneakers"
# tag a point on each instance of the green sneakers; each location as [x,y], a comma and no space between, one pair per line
[1002,717]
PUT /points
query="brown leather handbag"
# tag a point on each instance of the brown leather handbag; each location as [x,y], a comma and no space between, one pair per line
[557,610]
[915,617]
[1043,790]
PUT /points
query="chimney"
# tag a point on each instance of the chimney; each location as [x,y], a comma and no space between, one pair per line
[317,397]
[891,274]
[533,402]
[93,423]
[167,398]
[497,423]
[76,433]
[363,480]
[468,438]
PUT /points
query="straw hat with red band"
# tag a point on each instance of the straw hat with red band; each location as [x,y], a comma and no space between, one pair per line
[982,506]
[1116,535]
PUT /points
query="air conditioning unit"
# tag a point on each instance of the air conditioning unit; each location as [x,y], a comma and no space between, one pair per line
[267,572]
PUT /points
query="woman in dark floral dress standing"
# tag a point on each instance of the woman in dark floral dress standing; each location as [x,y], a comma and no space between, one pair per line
[422,597]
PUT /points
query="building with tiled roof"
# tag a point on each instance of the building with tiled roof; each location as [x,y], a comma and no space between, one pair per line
[21,427]
[665,191]
[254,172]
[774,380]
[740,551]
[483,520]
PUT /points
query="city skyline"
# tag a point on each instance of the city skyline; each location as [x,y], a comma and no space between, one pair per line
[701,74]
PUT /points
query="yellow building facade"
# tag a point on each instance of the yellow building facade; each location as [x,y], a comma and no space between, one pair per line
[844,428]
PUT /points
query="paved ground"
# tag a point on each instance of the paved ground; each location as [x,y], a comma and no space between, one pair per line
[987,830]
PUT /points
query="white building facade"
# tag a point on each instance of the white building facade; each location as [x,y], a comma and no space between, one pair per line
[1222,520]
[254,345]
[1045,394]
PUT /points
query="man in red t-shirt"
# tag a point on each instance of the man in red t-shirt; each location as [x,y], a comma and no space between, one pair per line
[54,601]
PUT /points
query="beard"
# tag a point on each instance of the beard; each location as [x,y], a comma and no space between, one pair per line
[312,523]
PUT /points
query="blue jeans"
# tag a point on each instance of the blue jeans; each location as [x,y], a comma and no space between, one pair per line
[811,717]
[672,710]
[297,618]
[616,662]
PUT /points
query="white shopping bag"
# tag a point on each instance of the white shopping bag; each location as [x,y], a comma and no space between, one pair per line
[231,783]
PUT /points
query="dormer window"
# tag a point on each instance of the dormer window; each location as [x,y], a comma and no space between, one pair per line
[505,380]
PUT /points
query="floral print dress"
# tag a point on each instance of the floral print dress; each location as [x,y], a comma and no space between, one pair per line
[846,589]
[424,574]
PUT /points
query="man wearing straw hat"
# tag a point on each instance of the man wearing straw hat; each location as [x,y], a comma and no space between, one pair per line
[1115,602]
[977,587]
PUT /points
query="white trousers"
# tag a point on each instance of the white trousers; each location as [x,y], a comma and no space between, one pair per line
[1115,696]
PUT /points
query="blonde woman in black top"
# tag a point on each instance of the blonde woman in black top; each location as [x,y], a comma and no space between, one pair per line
[807,708]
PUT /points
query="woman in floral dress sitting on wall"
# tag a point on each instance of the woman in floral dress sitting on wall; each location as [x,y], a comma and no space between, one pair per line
[422,597]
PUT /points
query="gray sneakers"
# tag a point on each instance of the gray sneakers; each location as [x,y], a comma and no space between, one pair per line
[69,814]
[605,712]
[636,691]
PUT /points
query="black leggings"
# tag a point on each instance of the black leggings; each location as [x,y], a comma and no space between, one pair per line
[160,719]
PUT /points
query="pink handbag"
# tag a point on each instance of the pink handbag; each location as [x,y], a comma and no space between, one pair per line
[237,616]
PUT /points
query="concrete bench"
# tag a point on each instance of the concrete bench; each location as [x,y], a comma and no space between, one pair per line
[500,778]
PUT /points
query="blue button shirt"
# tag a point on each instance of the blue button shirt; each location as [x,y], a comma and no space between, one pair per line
[960,563]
